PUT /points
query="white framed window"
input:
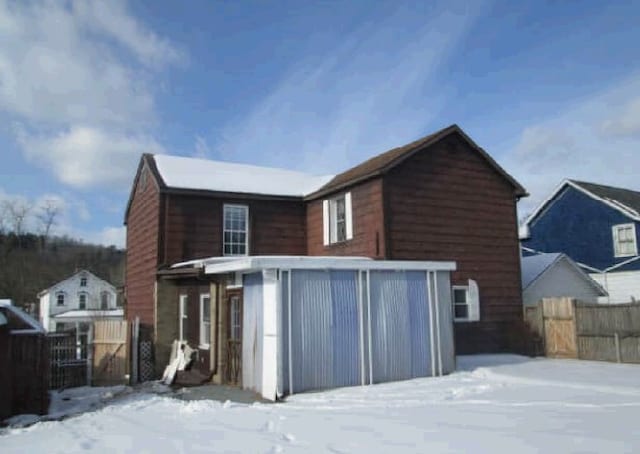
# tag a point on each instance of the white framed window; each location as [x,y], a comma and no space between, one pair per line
[83,281]
[205,320]
[82,300]
[183,317]
[337,218]
[465,302]
[105,298]
[235,231]
[60,298]
[460,299]
[624,240]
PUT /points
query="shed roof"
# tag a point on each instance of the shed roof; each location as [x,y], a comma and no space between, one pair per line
[221,265]
[533,267]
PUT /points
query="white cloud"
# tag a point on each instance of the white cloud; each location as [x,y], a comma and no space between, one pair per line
[201,148]
[84,156]
[108,236]
[593,140]
[78,77]
[359,98]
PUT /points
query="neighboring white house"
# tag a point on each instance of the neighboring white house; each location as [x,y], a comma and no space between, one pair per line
[77,301]
[556,275]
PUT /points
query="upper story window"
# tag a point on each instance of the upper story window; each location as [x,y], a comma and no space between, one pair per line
[82,301]
[624,240]
[235,233]
[60,299]
[104,300]
[337,219]
[83,281]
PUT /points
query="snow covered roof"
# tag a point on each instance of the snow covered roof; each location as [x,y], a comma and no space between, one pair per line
[536,265]
[91,313]
[27,323]
[206,175]
[219,265]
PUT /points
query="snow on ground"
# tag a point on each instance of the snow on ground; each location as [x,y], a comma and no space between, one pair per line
[494,403]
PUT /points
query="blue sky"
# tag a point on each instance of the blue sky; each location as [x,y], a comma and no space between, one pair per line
[549,89]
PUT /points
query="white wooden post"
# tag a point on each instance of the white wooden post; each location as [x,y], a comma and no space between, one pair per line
[90,355]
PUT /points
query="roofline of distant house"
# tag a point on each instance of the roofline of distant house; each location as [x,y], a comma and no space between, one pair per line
[567,182]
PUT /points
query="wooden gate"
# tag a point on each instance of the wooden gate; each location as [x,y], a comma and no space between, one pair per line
[69,360]
[110,352]
[559,327]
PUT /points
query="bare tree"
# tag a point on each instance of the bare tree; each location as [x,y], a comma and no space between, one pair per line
[16,214]
[47,216]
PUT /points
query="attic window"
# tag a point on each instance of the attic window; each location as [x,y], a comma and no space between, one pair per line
[83,281]
[624,240]
[60,299]
[337,219]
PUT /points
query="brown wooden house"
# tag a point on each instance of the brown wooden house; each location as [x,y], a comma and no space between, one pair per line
[439,198]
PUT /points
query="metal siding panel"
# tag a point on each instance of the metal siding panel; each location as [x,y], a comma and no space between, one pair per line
[419,320]
[345,328]
[446,343]
[390,326]
[252,332]
[312,317]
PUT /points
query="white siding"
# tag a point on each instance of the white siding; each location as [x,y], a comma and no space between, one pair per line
[559,280]
[72,289]
[623,286]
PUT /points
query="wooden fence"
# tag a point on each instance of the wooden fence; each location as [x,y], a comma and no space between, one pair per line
[571,329]
[29,366]
[68,360]
[110,352]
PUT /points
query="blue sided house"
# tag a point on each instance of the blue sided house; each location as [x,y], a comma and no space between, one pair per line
[595,225]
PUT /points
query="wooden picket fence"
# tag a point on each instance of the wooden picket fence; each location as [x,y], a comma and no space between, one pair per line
[110,352]
[572,329]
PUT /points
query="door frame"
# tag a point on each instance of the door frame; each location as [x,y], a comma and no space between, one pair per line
[233,370]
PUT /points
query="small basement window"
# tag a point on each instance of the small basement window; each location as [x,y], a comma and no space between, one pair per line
[337,219]
[235,230]
[624,240]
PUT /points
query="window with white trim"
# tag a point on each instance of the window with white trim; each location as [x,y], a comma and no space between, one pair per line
[83,281]
[460,299]
[624,240]
[60,298]
[235,232]
[465,302]
[205,320]
[82,300]
[337,219]
[183,317]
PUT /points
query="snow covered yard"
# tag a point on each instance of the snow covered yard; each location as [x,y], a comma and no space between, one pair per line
[493,403]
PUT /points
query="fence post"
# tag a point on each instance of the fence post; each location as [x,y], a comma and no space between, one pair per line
[616,338]
[90,355]
[135,336]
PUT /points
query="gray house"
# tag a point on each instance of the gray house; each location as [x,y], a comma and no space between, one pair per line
[556,275]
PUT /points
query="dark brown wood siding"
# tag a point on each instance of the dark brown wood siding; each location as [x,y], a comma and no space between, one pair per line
[448,203]
[368,225]
[143,226]
[194,227]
